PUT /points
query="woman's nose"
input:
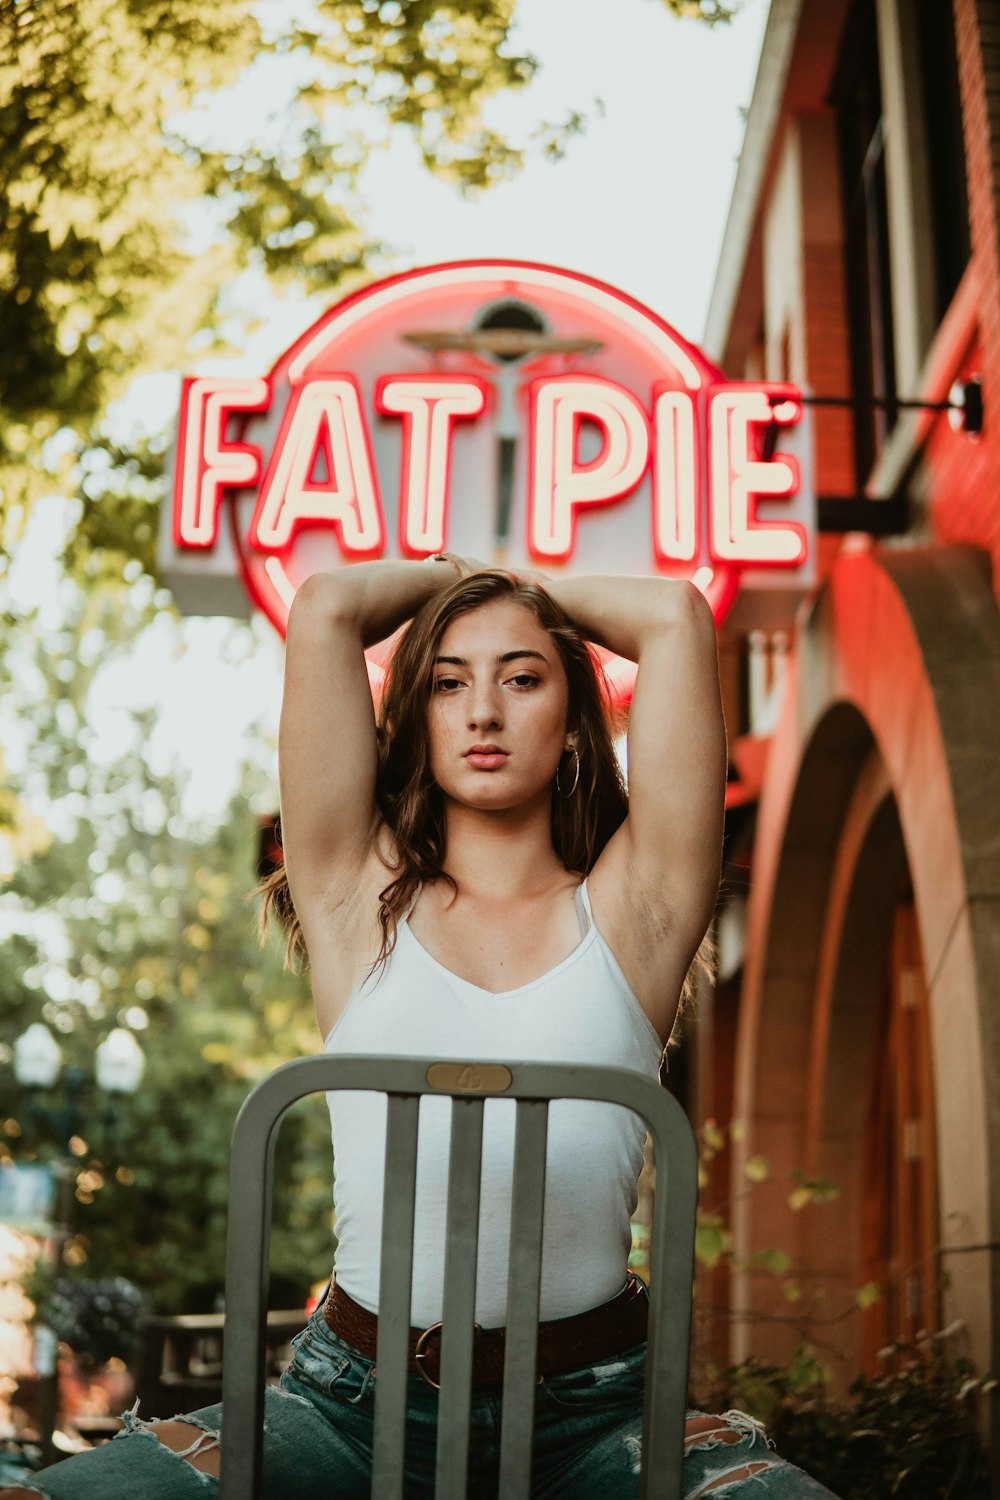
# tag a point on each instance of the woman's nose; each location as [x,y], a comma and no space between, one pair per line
[484,708]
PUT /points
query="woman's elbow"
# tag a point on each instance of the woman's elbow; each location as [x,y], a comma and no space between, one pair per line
[680,604]
[325,597]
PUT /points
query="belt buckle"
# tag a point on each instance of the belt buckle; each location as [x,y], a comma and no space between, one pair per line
[420,1354]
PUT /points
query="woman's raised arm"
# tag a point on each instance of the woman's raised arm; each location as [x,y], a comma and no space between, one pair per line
[660,873]
[326,748]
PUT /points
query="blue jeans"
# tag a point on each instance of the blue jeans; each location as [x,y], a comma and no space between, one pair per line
[318,1441]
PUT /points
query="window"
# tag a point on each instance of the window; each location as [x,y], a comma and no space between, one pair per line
[945,149]
[856,96]
[874,309]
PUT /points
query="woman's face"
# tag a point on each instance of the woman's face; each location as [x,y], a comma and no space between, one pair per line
[498,707]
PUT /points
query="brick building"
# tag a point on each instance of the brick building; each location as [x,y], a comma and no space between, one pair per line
[855,1030]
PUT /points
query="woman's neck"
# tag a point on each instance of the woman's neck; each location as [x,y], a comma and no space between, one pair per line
[508,854]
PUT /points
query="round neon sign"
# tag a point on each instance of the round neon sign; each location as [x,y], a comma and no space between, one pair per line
[518,413]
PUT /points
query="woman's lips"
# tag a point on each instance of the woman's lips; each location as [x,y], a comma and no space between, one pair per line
[486,760]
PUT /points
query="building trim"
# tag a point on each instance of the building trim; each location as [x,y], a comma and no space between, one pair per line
[762,122]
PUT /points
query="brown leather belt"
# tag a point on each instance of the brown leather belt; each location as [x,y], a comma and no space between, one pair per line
[563,1344]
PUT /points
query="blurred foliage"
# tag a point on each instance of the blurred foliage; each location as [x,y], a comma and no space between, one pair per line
[151,153]
[908,1432]
[126,915]
[129,211]
[711,11]
[811,1311]
[714,1239]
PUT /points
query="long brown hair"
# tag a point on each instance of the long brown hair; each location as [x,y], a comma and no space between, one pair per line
[410,802]
[409,799]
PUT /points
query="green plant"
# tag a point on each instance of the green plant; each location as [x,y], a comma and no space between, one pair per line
[907,1432]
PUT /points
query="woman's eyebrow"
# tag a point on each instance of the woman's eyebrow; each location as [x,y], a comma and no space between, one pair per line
[462,661]
[515,655]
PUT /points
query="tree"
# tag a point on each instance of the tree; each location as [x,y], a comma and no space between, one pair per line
[128,214]
[129,916]
[130,210]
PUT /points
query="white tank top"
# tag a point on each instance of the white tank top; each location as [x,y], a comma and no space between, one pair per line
[581,1011]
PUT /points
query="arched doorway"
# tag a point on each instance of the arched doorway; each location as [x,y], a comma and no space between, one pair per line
[869,1125]
[900,1250]
[869,1028]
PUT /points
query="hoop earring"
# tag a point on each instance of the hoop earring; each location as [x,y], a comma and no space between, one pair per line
[576,774]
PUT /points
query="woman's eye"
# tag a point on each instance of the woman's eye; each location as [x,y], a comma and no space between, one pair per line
[446,684]
[524,680]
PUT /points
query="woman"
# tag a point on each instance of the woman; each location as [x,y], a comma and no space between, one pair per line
[467,879]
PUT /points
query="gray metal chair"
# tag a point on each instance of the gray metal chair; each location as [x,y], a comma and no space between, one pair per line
[404,1080]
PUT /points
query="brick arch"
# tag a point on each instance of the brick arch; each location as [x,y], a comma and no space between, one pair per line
[868,877]
[887,758]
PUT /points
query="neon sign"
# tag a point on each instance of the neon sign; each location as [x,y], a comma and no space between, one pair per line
[428,407]
[518,413]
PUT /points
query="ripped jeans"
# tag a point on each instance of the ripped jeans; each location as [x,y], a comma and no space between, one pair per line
[318,1441]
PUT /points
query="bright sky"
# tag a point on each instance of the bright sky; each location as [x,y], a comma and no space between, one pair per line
[639,200]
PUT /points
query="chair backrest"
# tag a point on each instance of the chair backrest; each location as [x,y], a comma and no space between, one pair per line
[404,1080]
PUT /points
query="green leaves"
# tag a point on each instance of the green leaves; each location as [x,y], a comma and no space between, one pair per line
[711,11]
[811,1190]
[124,914]
[908,1432]
[777,1262]
[131,207]
[711,1240]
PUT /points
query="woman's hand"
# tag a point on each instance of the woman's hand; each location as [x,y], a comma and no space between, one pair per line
[465,565]
[528,575]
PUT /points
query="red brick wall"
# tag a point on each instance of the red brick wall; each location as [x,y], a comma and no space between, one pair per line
[965,476]
[828,369]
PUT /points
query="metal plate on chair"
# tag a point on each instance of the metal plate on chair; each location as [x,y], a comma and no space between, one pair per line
[469,1078]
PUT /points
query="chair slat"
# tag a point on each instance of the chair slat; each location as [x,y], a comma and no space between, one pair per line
[669,1336]
[395,1289]
[247,1273]
[464,1171]
[524,1283]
